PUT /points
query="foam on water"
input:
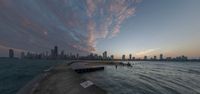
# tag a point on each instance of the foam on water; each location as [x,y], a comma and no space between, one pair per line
[150,78]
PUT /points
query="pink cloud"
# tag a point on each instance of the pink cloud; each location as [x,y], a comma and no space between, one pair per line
[122,12]
[91,7]
[118,11]
[91,36]
[5,3]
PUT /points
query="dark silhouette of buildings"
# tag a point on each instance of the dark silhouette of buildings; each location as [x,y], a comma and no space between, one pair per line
[22,54]
[112,57]
[181,58]
[133,58]
[105,55]
[154,58]
[11,53]
[123,57]
[77,56]
[55,54]
[161,56]
[130,56]
[145,57]
[168,58]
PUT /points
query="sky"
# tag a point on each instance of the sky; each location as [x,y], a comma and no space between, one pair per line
[137,27]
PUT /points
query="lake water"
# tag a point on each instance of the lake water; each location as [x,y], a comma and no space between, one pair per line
[142,78]
[14,74]
[149,78]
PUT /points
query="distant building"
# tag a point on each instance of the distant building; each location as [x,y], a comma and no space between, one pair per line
[123,57]
[46,53]
[184,58]
[62,54]
[56,51]
[168,58]
[130,56]
[91,56]
[105,55]
[133,58]
[154,58]
[52,52]
[161,56]
[112,57]
[77,56]
[22,55]
[145,57]
[11,53]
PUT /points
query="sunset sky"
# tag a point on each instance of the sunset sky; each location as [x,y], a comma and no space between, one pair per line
[139,27]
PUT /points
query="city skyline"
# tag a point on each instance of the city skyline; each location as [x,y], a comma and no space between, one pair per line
[56,54]
[137,27]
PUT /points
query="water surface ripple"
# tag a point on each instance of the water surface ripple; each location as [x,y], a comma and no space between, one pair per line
[150,78]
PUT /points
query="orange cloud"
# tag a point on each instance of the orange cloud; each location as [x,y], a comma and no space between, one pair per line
[147,52]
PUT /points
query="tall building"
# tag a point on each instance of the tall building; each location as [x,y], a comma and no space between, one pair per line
[91,56]
[168,58]
[130,56]
[133,58]
[184,58]
[22,55]
[112,57]
[145,57]
[155,58]
[46,53]
[77,56]
[52,52]
[161,56]
[105,55]
[62,54]
[11,53]
[56,51]
[123,57]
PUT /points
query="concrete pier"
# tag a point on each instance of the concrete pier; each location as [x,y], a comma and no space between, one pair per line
[63,80]
[82,67]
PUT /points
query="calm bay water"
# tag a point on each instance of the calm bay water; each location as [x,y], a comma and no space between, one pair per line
[150,78]
[14,74]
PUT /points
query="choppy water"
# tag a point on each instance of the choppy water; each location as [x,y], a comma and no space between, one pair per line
[150,78]
[14,74]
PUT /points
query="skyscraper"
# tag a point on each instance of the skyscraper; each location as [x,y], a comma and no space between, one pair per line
[11,53]
[22,54]
[123,57]
[112,57]
[105,55]
[154,57]
[133,58]
[77,56]
[62,54]
[145,57]
[55,51]
[52,53]
[161,56]
[130,56]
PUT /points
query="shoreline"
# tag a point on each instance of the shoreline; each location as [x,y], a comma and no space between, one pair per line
[31,86]
[60,79]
